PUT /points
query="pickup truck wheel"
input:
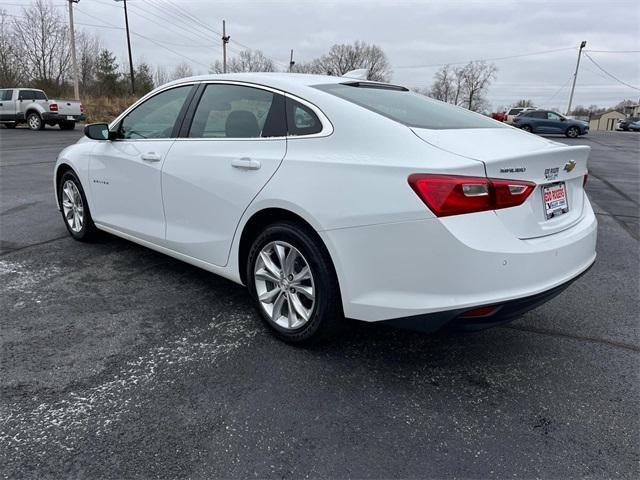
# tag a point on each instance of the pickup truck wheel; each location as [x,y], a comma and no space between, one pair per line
[34,121]
[10,125]
[67,125]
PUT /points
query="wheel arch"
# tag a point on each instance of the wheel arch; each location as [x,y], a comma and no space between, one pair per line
[267,216]
[60,171]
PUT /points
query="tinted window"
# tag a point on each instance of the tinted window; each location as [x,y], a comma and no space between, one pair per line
[301,120]
[25,95]
[537,114]
[6,95]
[237,111]
[155,117]
[514,111]
[409,108]
[39,95]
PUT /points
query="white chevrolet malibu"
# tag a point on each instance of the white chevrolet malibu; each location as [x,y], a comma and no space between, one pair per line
[330,197]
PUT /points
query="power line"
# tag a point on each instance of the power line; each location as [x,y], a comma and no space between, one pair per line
[148,39]
[609,74]
[488,59]
[613,51]
[562,87]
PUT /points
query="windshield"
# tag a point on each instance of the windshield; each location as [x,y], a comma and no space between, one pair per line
[407,107]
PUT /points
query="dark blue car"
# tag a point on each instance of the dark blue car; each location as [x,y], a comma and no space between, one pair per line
[546,121]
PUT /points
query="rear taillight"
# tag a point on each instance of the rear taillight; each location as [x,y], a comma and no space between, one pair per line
[81,108]
[53,107]
[447,195]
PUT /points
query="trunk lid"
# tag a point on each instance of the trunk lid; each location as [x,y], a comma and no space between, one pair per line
[512,154]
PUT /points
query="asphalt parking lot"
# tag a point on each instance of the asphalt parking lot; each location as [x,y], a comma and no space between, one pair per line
[119,362]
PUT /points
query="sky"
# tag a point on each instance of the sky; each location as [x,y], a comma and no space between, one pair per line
[417,36]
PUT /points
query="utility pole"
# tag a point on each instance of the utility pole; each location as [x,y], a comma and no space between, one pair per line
[291,62]
[76,88]
[126,21]
[575,76]
[225,40]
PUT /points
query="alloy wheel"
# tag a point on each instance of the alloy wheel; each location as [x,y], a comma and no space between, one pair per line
[34,122]
[284,285]
[72,206]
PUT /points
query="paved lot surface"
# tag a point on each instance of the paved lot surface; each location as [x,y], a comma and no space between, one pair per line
[118,362]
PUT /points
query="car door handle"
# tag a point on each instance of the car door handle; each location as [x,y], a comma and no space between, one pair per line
[151,157]
[245,163]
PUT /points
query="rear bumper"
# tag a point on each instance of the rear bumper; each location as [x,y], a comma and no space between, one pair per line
[56,117]
[447,266]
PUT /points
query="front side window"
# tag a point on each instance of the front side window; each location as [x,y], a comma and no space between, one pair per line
[6,95]
[156,117]
[238,111]
[554,116]
[408,108]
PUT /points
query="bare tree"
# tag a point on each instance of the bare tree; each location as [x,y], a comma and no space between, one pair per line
[313,66]
[246,61]
[11,68]
[160,77]
[466,86]
[88,47]
[524,103]
[342,58]
[43,33]
[476,79]
[182,70]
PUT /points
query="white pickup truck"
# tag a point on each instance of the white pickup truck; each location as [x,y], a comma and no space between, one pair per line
[31,106]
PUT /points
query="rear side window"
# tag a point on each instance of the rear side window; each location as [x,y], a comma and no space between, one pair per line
[26,95]
[409,108]
[6,95]
[39,95]
[238,111]
[536,114]
[514,111]
[301,120]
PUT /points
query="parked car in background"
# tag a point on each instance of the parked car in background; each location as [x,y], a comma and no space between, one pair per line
[625,123]
[499,116]
[31,106]
[514,112]
[331,197]
[546,121]
[635,126]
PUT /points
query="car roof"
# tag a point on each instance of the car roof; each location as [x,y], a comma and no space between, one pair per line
[288,82]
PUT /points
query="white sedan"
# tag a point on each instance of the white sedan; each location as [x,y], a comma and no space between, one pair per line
[330,197]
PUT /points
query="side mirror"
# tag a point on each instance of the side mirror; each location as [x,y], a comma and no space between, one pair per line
[98,131]
[562,119]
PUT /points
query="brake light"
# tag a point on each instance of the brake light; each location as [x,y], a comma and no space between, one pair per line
[81,108]
[447,195]
[479,312]
[53,107]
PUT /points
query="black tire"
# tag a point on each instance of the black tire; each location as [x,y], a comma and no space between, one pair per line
[67,125]
[34,121]
[572,132]
[10,125]
[88,229]
[326,314]
[527,128]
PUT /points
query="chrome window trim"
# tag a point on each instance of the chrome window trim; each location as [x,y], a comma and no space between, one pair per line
[327,126]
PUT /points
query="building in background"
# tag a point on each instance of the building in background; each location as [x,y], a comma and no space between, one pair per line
[605,121]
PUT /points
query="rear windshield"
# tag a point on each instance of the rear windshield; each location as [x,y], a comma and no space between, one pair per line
[409,108]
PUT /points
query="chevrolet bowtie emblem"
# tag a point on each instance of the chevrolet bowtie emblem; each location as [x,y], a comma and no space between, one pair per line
[570,165]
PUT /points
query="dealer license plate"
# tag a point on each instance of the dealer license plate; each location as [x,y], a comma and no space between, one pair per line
[70,117]
[554,197]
